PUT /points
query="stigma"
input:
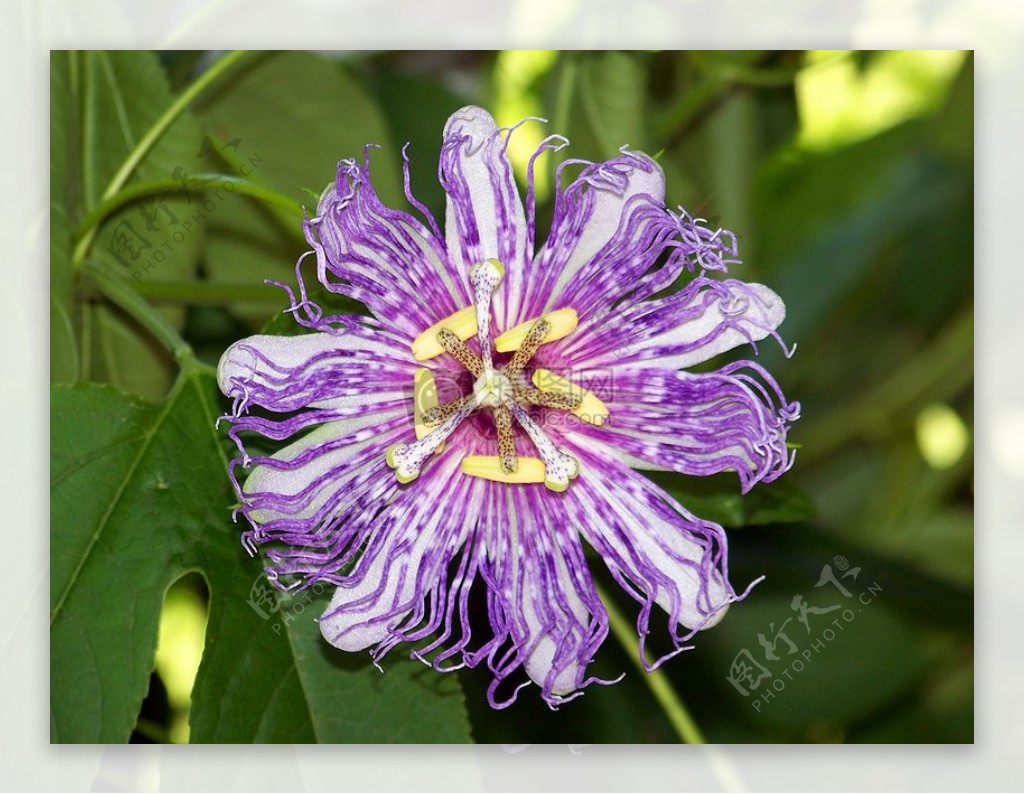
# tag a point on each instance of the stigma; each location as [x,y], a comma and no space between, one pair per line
[492,388]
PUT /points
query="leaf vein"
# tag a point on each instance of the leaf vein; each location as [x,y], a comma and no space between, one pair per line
[147,440]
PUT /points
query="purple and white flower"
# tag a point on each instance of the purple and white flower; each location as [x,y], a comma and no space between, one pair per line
[479,429]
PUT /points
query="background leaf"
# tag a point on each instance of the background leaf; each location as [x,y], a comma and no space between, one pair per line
[139,497]
[614,95]
[718,498]
[330,117]
[104,103]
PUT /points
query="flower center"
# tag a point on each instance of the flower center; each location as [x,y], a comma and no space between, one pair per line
[492,389]
[503,391]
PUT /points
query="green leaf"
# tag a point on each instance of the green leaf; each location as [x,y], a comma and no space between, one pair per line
[104,102]
[125,93]
[939,543]
[276,680]
[953,134]
[778,503]
[63,345]
[131,484]
[417,108]
[139,496]
[732,138]
[889,188]
[329,117]
[613,87]
[246,247]
[719,499]
[944,712]
[122,353]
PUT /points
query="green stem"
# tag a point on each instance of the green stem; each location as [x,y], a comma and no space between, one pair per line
[670,702]
[140,190]
[127,299]
[689,106]
[283,215]
[146,143]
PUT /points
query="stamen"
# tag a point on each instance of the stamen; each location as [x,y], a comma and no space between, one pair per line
[562,323]
[406,459]
[559,467]
[506,442]
[485,277]
[462,324]
[489,467]
[590,408]
[504,391]
[533,340]
[457,349]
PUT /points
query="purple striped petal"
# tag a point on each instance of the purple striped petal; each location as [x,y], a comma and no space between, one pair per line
[657,551]
[313,501]
[409,549]
[381,257]
[295,482]
[699,322]
[350,368]
[484,217]
[545,614]
[735,419]
[608,229]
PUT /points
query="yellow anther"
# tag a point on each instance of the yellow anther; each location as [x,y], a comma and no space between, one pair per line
[590,409]
[563,322]
[489,467]
[424,398]
[462,324]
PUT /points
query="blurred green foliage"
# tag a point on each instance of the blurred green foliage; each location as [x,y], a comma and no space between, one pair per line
[848,178]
